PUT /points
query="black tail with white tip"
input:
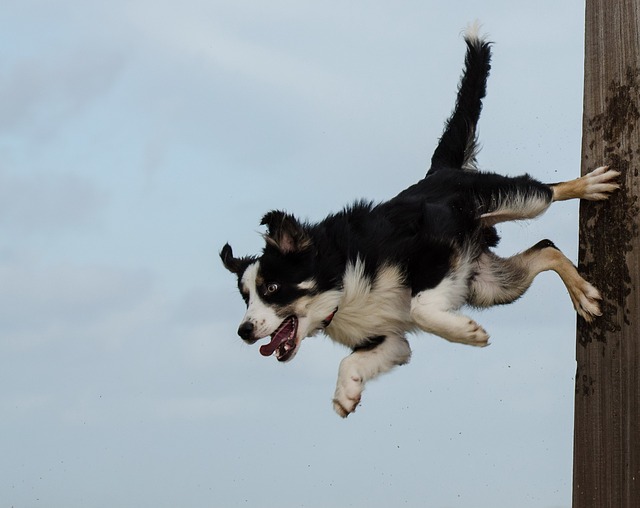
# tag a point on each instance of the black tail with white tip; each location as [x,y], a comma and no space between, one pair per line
[458,145]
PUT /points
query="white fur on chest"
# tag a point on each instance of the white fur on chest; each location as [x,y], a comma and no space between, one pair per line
[370,308]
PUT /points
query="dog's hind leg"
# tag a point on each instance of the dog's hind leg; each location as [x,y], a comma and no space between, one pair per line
[377,356]
[594,186]
[502,280]
[503,199]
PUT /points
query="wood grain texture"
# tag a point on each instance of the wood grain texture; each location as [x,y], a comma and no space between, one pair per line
[607,399]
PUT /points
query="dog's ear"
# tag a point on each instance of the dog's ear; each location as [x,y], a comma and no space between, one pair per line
[233,264]
[285,232]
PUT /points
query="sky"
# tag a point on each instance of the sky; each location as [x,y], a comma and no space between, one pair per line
[138,136]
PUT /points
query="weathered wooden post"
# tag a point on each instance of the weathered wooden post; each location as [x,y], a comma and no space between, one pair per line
[606,471]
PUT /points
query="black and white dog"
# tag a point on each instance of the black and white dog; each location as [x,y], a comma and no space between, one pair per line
[368,275]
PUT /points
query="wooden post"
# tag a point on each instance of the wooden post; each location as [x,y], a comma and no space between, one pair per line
[606,471]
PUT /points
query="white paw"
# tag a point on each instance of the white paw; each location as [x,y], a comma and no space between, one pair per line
[473,334]
[459,328]
[348,393]
[600,183]
[586,300]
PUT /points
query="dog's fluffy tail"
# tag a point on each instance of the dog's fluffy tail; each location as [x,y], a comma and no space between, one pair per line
[458,145]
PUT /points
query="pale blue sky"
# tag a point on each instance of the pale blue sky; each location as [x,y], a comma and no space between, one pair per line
[137,136]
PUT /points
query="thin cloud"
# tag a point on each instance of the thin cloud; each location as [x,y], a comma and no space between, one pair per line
[44,303]
[49,202]
[281,68]
[38,93]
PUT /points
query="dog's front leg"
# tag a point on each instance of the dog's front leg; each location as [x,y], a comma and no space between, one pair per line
[364,364]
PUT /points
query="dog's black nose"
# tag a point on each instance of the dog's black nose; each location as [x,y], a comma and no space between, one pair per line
[246,331]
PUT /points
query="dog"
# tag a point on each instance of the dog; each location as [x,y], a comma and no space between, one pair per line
[372,273]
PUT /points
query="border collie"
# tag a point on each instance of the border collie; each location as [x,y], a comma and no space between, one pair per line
[370,274]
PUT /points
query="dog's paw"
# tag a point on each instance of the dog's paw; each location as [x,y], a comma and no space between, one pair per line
[475,335]
[467,331]
[348,394]
[600,183]
[586,300]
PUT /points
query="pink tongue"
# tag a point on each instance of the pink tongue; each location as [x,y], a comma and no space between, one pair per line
[268,349]
[281,335]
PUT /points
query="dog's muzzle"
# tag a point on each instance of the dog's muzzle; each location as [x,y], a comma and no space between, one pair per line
[245,330]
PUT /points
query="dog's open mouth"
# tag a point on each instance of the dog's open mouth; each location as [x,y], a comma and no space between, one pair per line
[283,341]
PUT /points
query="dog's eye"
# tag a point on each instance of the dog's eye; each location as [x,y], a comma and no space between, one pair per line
[271,288]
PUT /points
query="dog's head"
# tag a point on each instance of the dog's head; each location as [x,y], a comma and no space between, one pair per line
[280,290]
